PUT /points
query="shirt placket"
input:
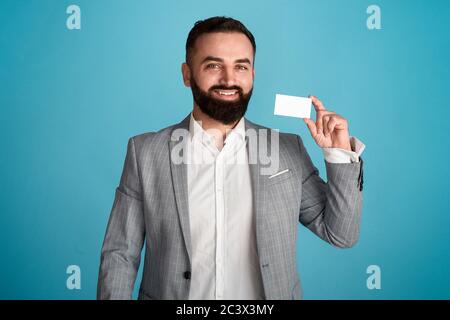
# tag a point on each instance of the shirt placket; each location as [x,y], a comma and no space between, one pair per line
[220,224]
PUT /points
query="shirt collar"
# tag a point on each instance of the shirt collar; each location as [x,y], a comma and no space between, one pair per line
[196,131]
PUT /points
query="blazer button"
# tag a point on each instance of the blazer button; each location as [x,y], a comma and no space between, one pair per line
[187,275]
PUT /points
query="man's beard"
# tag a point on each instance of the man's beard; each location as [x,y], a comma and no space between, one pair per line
[223,111]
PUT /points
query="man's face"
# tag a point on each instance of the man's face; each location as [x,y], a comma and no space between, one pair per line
[221,75]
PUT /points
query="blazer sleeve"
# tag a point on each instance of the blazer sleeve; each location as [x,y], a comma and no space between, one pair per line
[125,233]
[332,209]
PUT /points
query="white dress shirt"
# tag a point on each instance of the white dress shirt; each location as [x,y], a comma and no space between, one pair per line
[225,263]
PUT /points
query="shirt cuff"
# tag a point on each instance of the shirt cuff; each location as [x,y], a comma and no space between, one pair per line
[338,155]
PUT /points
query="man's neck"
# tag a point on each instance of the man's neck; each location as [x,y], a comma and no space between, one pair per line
[212,126]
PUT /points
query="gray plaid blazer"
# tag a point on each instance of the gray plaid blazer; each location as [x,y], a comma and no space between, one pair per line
[151,204]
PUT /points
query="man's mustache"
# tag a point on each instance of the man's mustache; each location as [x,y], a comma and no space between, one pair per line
[239,89]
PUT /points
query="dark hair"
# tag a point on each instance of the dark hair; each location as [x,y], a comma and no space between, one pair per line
[216,24]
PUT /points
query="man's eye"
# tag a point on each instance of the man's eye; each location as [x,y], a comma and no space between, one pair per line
[242,67]
[213,66]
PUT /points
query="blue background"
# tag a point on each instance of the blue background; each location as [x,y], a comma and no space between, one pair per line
[70,99]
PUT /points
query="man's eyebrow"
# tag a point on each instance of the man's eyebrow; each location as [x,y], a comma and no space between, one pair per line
[211,58]
[245,60]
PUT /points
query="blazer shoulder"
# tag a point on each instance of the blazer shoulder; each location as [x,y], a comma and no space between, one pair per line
[158,137]
[152,138]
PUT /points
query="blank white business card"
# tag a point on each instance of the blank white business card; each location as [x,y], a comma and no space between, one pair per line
[292,106]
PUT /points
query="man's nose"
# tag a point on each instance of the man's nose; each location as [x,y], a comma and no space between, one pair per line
[227,78]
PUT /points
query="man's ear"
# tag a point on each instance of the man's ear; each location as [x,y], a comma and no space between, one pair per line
[186,71]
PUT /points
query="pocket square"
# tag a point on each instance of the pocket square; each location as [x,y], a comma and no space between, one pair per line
[278,173]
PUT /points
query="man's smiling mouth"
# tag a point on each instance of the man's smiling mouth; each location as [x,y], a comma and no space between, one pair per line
[226,93]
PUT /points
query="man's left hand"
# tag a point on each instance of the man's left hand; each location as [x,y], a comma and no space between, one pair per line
[330,130]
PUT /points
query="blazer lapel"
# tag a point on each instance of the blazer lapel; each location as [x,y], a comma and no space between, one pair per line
[180,186]
[258,190]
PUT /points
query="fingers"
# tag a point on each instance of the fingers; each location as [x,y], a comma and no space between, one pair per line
[311,126]
[325,121]
[318,105]
[320,113]
[319,123]
[324,125]
[321,117]
[331,124]
[328,125]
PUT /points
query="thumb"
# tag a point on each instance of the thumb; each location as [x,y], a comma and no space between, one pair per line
[311,126]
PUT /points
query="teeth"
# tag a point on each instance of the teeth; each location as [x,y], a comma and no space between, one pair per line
[223,93]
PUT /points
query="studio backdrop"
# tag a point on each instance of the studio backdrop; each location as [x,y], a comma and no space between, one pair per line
[79,78]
